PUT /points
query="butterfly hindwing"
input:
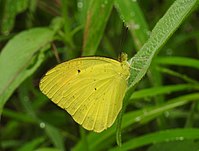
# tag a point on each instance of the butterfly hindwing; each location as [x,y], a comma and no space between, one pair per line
[90,89]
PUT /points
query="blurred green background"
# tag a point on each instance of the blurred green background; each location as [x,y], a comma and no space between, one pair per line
[161,37]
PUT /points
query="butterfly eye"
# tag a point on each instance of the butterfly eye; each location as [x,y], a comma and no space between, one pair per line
[78,71]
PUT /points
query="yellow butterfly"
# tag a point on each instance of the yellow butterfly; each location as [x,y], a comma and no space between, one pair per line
[90,89]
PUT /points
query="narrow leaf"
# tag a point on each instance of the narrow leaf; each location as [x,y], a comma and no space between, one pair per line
[9,12]
[97,16]
[179,61]
[167,135]
[133,17]
[136,117]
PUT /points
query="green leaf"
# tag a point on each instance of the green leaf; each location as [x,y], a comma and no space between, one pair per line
[32,144]
[55,136]
[150,92]
[167,135]
[163,30]
[177,74]
[178,61]
[9,12]
[97,15]
[136,117]
[52,132]
[183,145]
[19,59]
[132,16]
[47,149]
[17,116]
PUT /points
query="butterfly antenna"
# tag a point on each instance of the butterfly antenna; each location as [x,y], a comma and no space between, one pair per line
[124,35]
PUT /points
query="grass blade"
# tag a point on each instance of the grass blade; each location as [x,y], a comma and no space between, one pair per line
[135,117]
[163,30]
[97,16]
[133,17]
[161,136]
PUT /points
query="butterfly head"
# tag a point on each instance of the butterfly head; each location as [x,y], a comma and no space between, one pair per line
[125,65]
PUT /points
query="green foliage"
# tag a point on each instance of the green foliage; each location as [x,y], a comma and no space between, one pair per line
[18,64]
[160,109]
